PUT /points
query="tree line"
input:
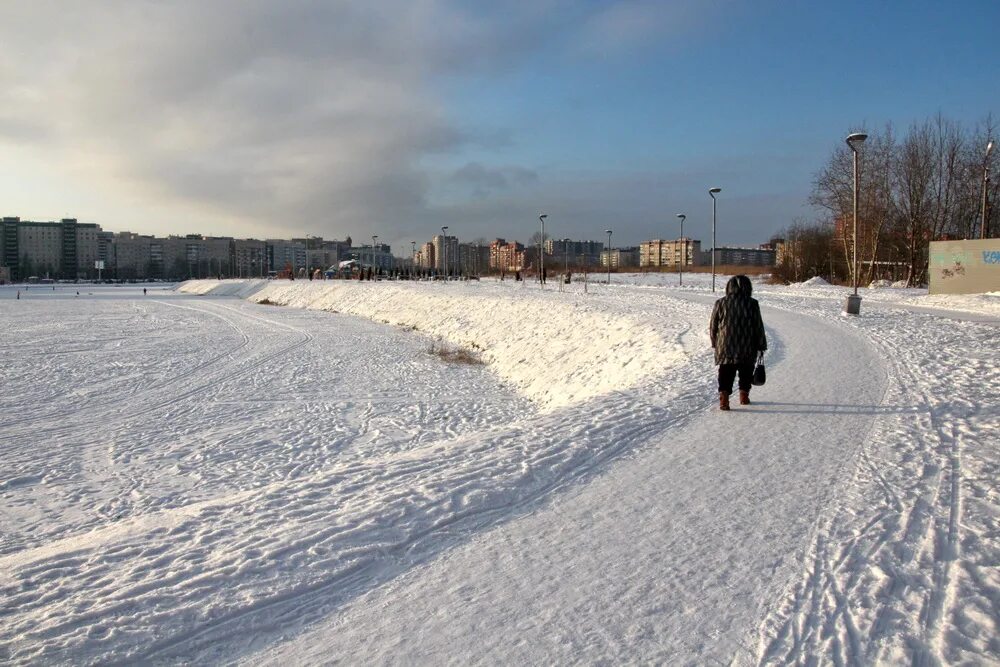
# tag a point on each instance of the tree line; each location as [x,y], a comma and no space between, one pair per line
[924,186]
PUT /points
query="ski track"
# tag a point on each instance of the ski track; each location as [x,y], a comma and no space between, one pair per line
[295,543]
[648,589]
[902,587]
[212,521]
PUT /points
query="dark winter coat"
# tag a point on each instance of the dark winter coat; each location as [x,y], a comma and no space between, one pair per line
[736,328]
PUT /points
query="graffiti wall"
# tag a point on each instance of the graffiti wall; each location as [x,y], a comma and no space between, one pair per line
[964,267]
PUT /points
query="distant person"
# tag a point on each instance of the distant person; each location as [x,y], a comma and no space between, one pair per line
[144,291]
[18,295]
[737,332]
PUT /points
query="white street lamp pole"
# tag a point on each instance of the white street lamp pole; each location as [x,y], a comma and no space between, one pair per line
[986,187]
[608,232]
[712,192]
[680,264]
[854,301]
[541,251]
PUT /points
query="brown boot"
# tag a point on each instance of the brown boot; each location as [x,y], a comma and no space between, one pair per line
[744,397]
[723,400]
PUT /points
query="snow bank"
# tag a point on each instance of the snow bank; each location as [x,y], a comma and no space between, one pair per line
[815,280]
[237,288]
[556,348]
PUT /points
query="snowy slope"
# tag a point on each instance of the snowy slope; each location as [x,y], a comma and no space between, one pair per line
[258,483]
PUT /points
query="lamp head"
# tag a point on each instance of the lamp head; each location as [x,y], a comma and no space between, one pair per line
[682,217]
[543,216]
[714,191]
[989,148]
[856,138]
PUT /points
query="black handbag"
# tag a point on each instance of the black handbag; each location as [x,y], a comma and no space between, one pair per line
[759,375]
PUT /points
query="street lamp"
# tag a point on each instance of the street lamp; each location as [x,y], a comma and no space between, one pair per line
[986,187]
[680,265]
[444,251]
[854,301]
[374,236]
[608,232]
[541,251]
[712,192]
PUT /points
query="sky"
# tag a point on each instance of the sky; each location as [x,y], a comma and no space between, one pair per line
[266,119]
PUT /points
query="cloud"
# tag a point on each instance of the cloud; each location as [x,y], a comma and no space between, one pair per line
[300,114]
[275,118]
[627,25]
[486,180]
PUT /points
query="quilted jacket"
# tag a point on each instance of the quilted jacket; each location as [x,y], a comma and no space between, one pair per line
[736,328]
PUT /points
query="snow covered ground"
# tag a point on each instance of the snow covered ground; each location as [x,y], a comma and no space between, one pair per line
[207,476]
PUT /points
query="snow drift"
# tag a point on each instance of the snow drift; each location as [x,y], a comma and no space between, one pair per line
[554,352]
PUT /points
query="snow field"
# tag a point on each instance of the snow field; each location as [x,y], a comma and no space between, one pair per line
[206,480]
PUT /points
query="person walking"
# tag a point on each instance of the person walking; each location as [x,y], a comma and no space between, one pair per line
[737,332]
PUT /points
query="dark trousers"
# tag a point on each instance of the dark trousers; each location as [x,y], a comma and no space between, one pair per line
[727,373]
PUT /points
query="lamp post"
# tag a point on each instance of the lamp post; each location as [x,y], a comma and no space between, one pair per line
[854,301]
[444,251]
[680,264]
[541,251]
[712,192]
[374,236]
[986,187]
[608,232]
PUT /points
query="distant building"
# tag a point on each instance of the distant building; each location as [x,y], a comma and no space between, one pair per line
[282,253]
[742,257]
[678,252]
[426,256]
[473,258]
[133,259]
[249,258]
[506,256]
[66,249]
[574,253]
[620,258]
[446,250]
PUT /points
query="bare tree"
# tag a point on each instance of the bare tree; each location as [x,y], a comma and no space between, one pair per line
[833,190]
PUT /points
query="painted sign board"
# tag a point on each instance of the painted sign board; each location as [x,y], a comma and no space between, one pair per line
[98,263]
[964,267]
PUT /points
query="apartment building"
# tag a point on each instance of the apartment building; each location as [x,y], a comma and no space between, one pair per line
[682,251]
[133,258]
[66,249]
[473,258]
[506,256]
[282,254]
[574,253]
[425,256]
[742,257]
[249,258]
[445,250]
[620,258]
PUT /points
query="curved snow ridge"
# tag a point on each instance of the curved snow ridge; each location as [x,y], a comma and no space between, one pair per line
[556,348]
[233,287]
